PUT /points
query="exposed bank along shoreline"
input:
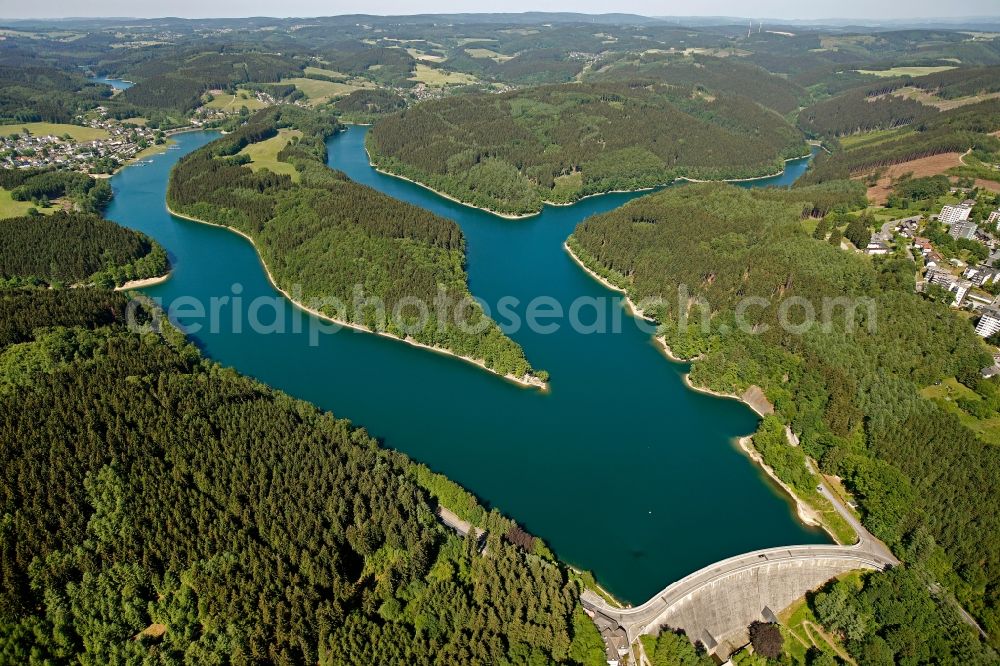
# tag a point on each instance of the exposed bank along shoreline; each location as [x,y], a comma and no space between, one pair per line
[527,380]
[145,282]
[758,403]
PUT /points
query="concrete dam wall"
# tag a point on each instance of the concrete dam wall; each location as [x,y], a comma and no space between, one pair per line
[718,612]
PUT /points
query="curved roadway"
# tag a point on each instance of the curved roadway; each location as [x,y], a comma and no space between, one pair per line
[868,552]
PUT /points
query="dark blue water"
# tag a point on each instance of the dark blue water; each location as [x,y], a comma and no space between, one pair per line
[117,84]
[620,468]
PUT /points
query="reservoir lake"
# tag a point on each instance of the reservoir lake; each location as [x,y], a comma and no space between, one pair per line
[619,467]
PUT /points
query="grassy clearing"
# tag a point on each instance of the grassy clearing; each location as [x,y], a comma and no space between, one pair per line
[973,168]
[264,154]
[227,102]
[802,630]
[319,92]
[417,54]
[486,53]
[11,208]
[332,73]
[155,149]
[57,129]
[434,77]
[948,393]
[905,71]
[810,224]
[873,138]
[567,186]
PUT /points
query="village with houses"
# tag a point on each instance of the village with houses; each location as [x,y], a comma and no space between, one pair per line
[969,279]
[99,145]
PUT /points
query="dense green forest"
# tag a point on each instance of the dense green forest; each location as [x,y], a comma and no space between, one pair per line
[37,93]
[366,105]
[849,384]
[41,186]
[705,73]
[329,235]
[178,81]
[893,618]
[862,110]
[72,248]
[511,152]
[157,508]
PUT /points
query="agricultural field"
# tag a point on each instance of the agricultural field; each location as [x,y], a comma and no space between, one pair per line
[78,132]
[462,41]
[439,78]
[486,53]
[264,154]
[904,71]
[319,92]
[228,102]
[423,55]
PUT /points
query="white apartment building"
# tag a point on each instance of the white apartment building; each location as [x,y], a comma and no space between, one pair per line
[989,323]
[956,213]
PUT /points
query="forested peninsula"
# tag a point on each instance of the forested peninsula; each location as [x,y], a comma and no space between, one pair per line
[324,237]
[63,240]
[849,386]
[158,508]
[75,249]
[511,153]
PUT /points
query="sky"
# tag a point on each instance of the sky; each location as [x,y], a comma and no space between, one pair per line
[788,9]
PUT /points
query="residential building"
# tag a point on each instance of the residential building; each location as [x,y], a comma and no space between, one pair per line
[963,229]
[955,285]
[956,213]
[994,219]
[982,274]
[876,247]
[989,323]
[978,301]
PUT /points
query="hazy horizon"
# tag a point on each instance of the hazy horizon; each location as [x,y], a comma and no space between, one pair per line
[821,10]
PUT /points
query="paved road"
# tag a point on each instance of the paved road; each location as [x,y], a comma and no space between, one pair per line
[640,616]
[866,540]
[450,519]
[868,552]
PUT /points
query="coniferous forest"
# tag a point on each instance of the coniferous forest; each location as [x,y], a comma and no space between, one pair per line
[71,248]
[158,508]
[510,153]
[330,236]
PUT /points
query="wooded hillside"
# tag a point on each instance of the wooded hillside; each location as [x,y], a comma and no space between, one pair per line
[75,248]
[511,152]
[157,508]
[921,477]
[328,235]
